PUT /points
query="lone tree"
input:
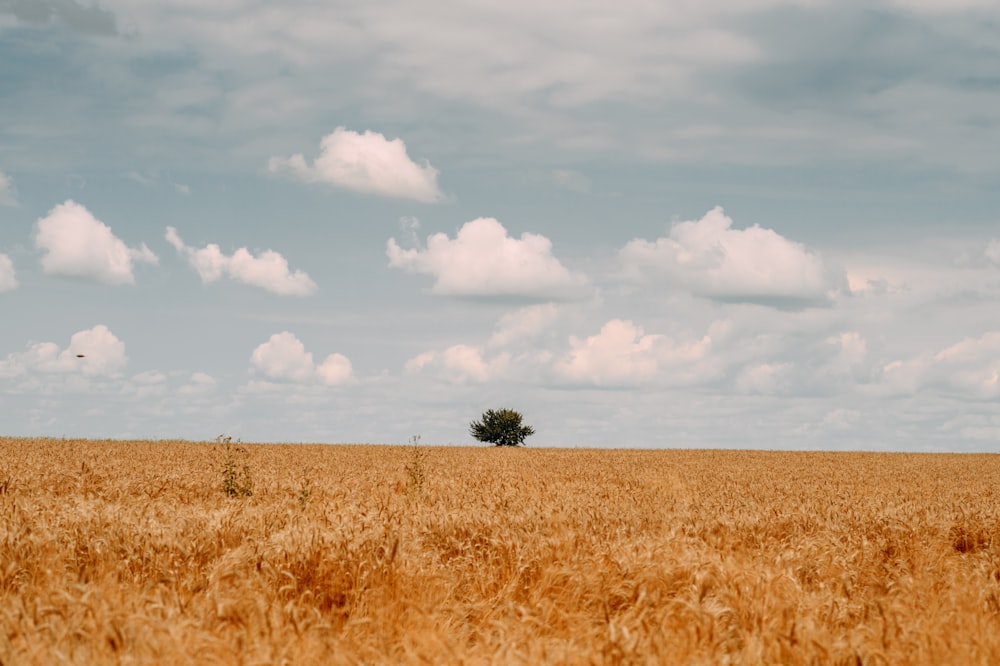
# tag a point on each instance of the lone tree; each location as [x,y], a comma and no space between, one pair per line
[501,427]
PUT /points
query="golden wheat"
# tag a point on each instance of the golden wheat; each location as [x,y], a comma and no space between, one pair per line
[130,552]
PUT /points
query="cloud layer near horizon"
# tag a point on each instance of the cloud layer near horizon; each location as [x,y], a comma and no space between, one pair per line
[95,352]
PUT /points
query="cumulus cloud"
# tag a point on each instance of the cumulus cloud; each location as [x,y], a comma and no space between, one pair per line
[336,369]
[8,195]
[524,324]
[179,391]
[851,354]
[284,358]
[840,419]
[76,244]
[367,163]
[764,378]
[200,383]
[622,354]
[901,376]
[512,352]
[150,383]
[268,270]
[484,262]
[753,265]
[8,278]
[95,352]
[461,364]
[799,366]
[969,369]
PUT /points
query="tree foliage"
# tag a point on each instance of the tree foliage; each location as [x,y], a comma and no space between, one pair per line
[501,427]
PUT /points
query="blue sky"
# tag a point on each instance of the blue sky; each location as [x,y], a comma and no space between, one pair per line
[758,224]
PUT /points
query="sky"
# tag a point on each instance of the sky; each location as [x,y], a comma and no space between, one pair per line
[761,224]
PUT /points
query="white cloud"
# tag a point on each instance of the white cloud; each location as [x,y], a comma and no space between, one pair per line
[982,427]
[268,270]
[713,260]
[483,261]
[524,324]
[200,383]
[367,163]
[284,358]
[901,377]
[174,394]
[512,352]
[93,352]
[461,364]
[8,278]
[622,354]
[764,378]
[797,363]
[8,195]
[524,348]
[841,419]
[336,369]
[969,369]
[149,378]
[851,355]
[76,244]
[148,384]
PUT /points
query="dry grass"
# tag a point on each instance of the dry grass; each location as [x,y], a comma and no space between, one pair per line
[130,552]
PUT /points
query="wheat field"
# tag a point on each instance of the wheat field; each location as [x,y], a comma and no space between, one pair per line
[133,553]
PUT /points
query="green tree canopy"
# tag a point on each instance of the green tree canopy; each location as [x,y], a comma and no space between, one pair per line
[501,427]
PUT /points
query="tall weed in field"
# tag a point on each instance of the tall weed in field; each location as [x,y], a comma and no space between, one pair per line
[237,481]
[414,468]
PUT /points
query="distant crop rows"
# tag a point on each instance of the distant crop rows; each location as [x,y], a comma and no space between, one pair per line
[138,552]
